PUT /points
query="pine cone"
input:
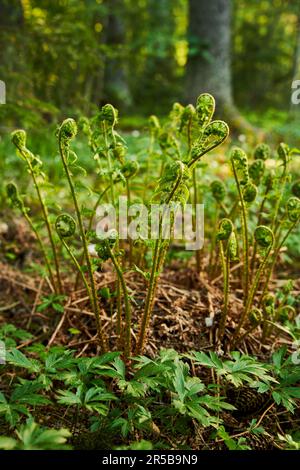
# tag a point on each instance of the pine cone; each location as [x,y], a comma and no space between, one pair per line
[246,400]
[260,442]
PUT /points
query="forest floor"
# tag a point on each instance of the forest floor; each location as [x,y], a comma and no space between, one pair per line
[185,318]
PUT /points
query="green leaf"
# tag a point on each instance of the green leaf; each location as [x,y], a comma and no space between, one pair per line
[57,307]
[7,443]
[17,358]
[179,381]
[277,397]
[66,397]
[119,367]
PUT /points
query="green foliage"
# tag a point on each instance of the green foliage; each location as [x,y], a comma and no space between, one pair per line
[32,436]
[225,229]
[10,334]
[161,394]
[218,190]
[52,301]
[231,443]
[238,370]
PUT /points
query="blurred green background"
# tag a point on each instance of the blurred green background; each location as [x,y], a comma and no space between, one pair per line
[66,57]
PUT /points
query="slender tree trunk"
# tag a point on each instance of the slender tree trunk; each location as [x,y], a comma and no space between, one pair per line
[209,64]
[116,89]
[295,105]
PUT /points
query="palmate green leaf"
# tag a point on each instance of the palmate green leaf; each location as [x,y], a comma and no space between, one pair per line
[66,397]
[93,398]
[237,371]
[51,439]
[106,358]
[52,301]
[194,386]
[8,331]
[58,307]
[26,393]
[119,367]
[97,407]
[122,424]
[17,358]
[202,415]
[57,361]
[133,388]
[2,398]
[34,437]
[98,394]
[231,443]
[99,365]
[246,368]
[293,392]
[86,211]
[281,398]
[7,443]
[214,403]
[179,381]
[262,387]
[11,411]
[278,357]
[211,360]
[151,368]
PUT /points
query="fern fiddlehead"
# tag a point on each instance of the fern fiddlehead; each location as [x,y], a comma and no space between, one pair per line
[34,166]
[104,248]
[173,188]
[292,213]
[66,133]
[225,234]
[264,237]
[218,191]
[247,193]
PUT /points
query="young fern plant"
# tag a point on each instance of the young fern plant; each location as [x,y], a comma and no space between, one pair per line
[66,228]
[173,190]
[105,248]
[66,133]
[154,130]
[256,172]
[247,193]
[195,120]
[18,203]
[284,155]
[228,254]
[34,166]
[264,238]
[292,219]
[218,191]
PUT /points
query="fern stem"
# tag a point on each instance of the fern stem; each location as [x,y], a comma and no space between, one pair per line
[156,265]
[225,268]
[252,293]
[274,259]
[95,304]
[244,236]
[48,226]
[120,275]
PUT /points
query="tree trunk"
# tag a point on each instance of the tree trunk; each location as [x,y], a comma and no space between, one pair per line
[116,89]
[209,63]
[295,100]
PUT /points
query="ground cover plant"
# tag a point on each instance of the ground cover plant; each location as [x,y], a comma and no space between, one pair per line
[136,342]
